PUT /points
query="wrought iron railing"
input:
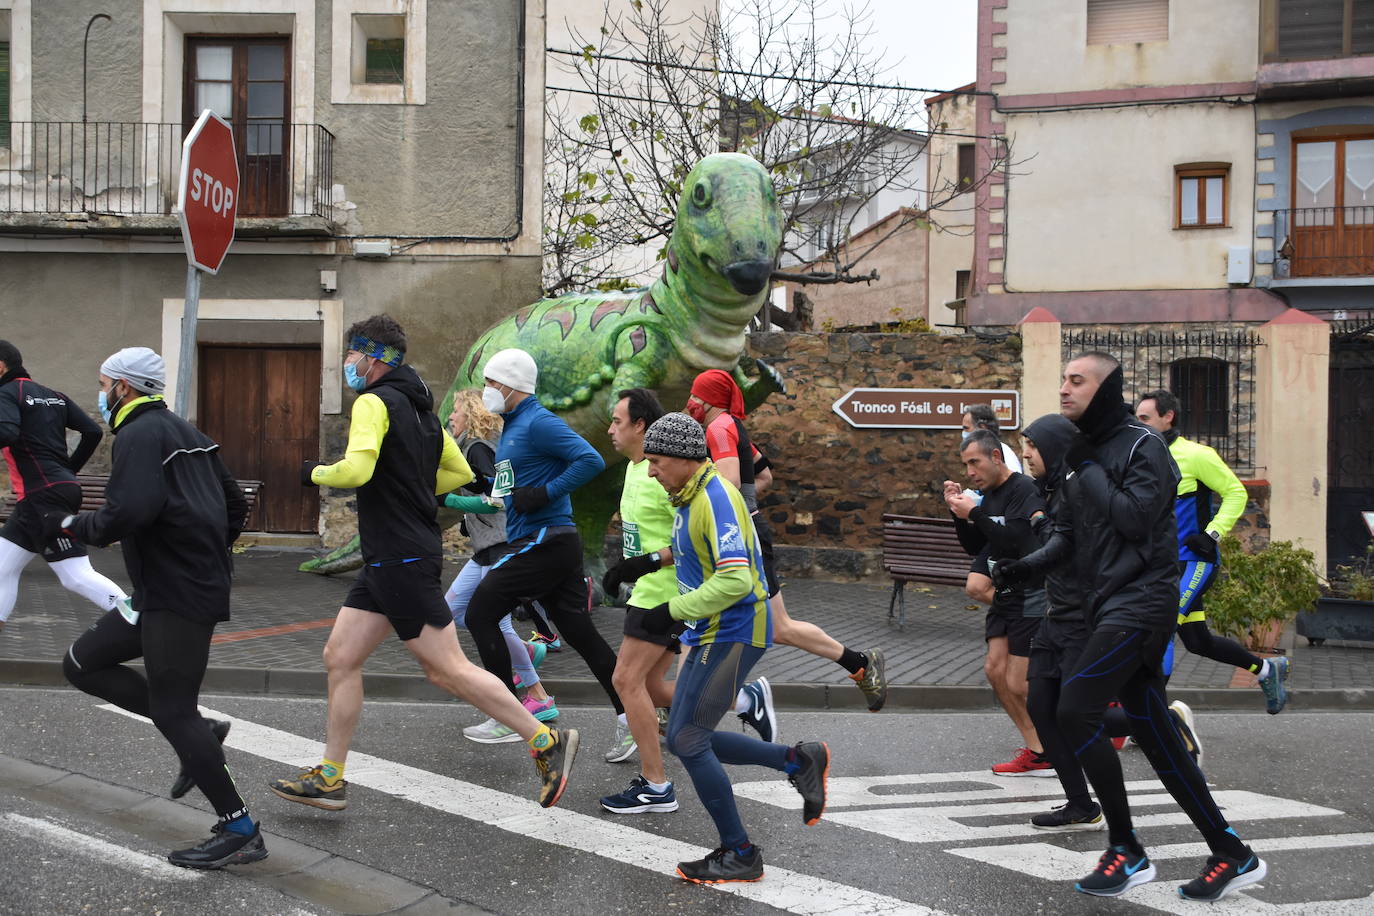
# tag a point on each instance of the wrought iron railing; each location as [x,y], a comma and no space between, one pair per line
[1211,372]
[132,169]
[1325,241]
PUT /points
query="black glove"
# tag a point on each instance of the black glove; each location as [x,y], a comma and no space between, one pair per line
[1080,452]
[1010,573]
[57,524]
[306,468]
[628,570]
[1201,543]
[657,620]
[529,499]
[478,485]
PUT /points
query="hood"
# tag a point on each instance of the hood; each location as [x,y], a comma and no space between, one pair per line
[1107,410]
[1052,435]
[405,380]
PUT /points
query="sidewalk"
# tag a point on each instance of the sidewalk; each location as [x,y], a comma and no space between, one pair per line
[281,619]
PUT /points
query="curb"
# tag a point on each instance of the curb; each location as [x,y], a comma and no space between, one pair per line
[290,682]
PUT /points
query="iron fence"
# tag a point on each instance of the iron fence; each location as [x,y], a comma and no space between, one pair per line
[1325,241]
[1211,372]
[132,168]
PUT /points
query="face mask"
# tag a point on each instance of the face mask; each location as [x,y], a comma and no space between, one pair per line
[963,436]
[107,410]
[493,400]
[697,411]
[351,376]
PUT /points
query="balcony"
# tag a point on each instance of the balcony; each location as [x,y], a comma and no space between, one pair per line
[1325,242]
[122,177]
[1321,49]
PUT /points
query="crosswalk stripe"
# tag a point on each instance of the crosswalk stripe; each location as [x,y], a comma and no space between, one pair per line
[70,841]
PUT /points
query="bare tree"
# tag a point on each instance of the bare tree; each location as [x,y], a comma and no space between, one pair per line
[634,106]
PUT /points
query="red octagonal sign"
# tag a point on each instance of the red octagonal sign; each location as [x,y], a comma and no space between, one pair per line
[208,198]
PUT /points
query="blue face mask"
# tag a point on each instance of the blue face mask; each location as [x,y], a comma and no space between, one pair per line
[351,376]
[107,410]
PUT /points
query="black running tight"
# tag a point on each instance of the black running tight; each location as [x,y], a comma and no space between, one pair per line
[547,569]
[1124,664]
[175,652]
[1043,703]
[1200,640]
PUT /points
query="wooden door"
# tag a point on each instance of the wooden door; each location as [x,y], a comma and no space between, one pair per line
[262,405]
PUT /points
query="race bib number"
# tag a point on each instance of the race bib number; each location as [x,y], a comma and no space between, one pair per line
[631,540]
[504,481]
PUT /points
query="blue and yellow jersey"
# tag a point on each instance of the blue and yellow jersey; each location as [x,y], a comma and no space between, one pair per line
[719,566]
[1202,473]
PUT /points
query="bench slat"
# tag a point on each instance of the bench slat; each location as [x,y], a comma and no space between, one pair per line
[93,497]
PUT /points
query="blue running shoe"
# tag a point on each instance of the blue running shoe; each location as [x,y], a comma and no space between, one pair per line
[1222,875]
[1117,871]
[1275,685]
[537,651]
[760,715]
[640,798]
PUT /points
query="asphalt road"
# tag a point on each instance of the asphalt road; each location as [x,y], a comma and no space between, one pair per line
[916,824]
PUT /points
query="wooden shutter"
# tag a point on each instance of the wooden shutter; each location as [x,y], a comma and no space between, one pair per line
[1124,21]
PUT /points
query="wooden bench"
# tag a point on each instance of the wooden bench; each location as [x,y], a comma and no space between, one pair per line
[919,549]
[93,497]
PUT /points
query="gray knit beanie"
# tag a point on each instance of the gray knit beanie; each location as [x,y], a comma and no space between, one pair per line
[140,367]
[676,435]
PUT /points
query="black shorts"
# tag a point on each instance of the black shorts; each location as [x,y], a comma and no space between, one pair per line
[1056,646]
[634,626]
[1017,630]
[409,594]
[25,525]
[770,574]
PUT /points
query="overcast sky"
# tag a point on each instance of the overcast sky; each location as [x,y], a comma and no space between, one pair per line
[930,43]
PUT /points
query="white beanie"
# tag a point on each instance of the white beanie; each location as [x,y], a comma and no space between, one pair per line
[513,368]
[140,367]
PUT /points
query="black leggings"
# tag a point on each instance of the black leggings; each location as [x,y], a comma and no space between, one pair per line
[547,569]
[1125,664]
[175,652]
[1200,640]
[1043,703]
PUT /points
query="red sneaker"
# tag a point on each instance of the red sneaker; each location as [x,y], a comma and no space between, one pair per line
[1026,763]
[1119,743]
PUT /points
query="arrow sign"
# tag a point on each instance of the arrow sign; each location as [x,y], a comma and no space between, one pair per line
[924,408]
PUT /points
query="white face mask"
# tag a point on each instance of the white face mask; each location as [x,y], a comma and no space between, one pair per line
[493,400]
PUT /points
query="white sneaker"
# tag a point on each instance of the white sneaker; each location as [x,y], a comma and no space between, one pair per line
[624,745]
[491,732]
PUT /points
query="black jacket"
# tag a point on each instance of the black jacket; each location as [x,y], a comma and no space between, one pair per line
[999,528]
[175,509]
[1052,436]
[34,420]
[1120,526]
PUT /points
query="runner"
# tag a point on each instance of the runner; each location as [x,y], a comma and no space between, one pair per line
[34,421]
[1122,530]
[1203,473]
[981,416]
[724,603]
[399,457]
[717,403]
[175,511]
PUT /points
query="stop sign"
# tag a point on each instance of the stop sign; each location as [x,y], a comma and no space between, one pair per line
[208,197]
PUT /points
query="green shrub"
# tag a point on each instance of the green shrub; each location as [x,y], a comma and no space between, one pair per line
[1254,590]
[1356,580]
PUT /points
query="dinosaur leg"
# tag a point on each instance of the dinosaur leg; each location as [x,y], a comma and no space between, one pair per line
[757,389]
[340,559]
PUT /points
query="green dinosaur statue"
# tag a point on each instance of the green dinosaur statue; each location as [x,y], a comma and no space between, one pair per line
[694,317]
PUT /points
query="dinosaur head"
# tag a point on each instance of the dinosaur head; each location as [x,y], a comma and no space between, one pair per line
[728,233]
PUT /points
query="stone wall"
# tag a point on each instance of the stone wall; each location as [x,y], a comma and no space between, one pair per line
[834,482]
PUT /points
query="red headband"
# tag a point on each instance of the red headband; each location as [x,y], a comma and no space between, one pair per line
[718,389]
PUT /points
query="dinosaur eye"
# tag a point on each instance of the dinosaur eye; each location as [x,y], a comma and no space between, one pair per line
[701,195]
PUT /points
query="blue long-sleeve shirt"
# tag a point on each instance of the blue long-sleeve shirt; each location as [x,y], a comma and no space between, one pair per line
[537,449]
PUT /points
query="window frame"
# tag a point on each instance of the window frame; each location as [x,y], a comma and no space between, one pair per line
[1269,36]
[348,65]
[1202,171]
[966,155]
[1190,368]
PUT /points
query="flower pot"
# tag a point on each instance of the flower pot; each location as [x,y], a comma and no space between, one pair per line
[1263,638]
[1337,618]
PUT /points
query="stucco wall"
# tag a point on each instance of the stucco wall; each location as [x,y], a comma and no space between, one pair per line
[114,69]
[1090,204]
[1216,41]
[950,243]
[898,294]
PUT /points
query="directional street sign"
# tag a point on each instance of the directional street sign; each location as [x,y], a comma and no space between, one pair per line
[924,408]
[208,198]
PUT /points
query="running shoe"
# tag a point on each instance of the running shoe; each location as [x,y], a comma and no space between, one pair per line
[1117,871]
[223,847]
[1222,875]
[310,789]
[760,715]
[722,866]
[1064,819]
[1275,686]
[1026,763]
[544,711]
[491,732]
[1187,730]
[550,645]
[872,680]
[810,779]
[184,783]
[537,651]
[553,764]
[640,798]
[1119,743]
[624,745]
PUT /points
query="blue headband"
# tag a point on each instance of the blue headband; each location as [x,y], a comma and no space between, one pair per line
[369,347]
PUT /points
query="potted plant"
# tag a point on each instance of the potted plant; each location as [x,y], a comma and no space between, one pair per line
[1346,611]
[1257,593]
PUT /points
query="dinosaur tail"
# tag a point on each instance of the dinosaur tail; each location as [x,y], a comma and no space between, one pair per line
[341,559]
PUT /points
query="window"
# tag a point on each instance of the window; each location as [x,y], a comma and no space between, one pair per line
[965,165]
[1202,386]
[4,93]
[961,278]
[1125,21]
[1333,207]
[385,60]
[1200,197]
[378,53]
[379,49]
[1316,29]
